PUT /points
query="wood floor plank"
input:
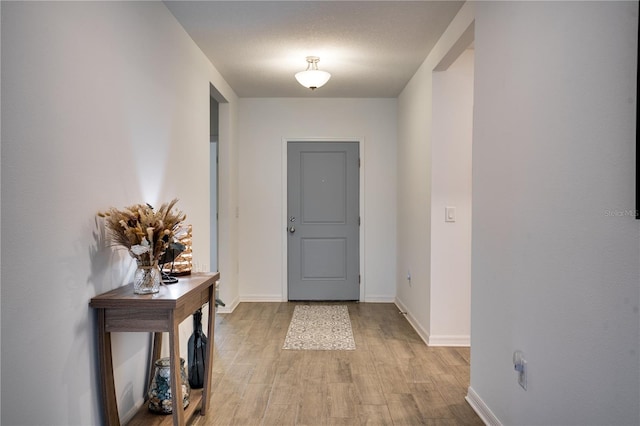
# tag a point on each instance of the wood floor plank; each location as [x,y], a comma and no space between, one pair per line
[404,410]
[360,361]
[338,370]
[288,374]
[252,405]
[391,379]
[465,353]
[369,389]
[450,356]
[450,388]
[315,372]
[343,400]
[429,401]
[272,348]
[374,415]
[284,392]
[462,373]
[236,379]
[400,348]
[314,405]
[416,370]
[264,372]
[382,354]
[280,415]
[223,406]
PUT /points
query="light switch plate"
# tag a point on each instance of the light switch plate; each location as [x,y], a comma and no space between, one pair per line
[449,214]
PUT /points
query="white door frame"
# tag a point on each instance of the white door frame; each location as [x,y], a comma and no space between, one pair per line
[283,215]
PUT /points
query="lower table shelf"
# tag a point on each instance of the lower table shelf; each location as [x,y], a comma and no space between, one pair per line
[144,417]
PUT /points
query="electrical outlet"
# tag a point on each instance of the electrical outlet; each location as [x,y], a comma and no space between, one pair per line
[520,365]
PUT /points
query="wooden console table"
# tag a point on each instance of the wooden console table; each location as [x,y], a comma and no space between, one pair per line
[120,310]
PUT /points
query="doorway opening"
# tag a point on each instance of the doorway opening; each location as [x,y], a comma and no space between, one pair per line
[214,133]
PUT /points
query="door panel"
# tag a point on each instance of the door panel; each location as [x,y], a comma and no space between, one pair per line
[323,187]
[323,227]
[324,258]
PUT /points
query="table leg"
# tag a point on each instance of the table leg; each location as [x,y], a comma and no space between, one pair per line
[208,367]
[110,405]
[156,352]
[176,381]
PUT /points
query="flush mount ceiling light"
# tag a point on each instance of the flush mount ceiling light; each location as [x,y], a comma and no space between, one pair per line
[312,77]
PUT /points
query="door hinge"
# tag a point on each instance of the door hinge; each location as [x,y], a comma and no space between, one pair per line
[359,163]
[359,222]
[359,279]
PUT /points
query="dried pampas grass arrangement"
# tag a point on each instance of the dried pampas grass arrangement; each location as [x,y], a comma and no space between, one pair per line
[143,231]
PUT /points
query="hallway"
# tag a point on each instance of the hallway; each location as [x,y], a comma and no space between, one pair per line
[392,378]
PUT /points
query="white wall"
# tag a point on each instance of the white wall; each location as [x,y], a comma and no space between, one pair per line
[452,127]
[263,123]
[555,264]
[228,262]
[103,104]
[414,201]
[415,186]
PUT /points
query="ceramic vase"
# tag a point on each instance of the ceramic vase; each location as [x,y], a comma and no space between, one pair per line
[160,390]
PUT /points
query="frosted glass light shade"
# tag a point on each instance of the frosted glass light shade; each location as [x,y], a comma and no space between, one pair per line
[313,79]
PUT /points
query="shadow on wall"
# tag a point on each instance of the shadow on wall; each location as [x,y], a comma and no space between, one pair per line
[108,270]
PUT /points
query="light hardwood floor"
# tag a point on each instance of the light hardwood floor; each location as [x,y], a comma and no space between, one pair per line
[392,378]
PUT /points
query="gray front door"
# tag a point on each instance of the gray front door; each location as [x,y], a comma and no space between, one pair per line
[323,220]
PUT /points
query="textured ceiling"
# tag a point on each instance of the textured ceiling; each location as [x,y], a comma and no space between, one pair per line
[371,48]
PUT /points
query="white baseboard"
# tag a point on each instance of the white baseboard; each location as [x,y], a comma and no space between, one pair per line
[416,326]
[261,298]
[379,299]
[481,409]
[435,340]
[229,306]
[444,340]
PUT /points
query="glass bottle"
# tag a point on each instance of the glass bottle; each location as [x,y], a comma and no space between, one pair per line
[197,350]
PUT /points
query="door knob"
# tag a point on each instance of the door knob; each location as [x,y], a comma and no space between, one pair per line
[292,230]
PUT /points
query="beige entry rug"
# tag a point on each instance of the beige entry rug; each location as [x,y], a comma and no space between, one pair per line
[320,327]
